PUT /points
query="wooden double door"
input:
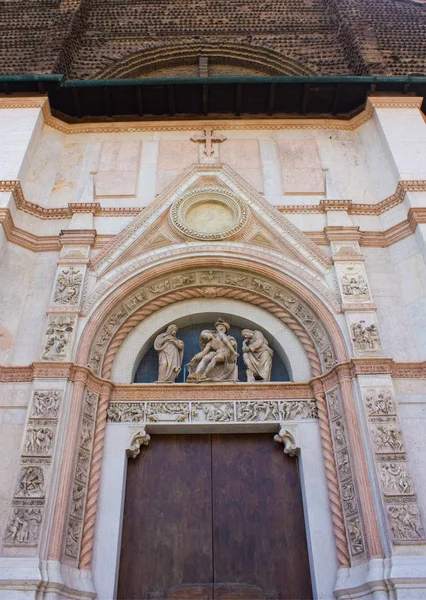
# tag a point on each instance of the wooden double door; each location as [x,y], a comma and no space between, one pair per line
[211,517]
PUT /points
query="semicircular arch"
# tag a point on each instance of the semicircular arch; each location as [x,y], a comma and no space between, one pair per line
[147,61]
[118,313]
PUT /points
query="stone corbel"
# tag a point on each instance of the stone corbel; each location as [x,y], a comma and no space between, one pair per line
[287,438]
[140,438]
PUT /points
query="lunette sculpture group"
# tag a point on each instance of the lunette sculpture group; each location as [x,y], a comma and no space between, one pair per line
[217,359]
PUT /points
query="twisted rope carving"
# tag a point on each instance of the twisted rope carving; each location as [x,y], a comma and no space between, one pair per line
[250,297]
[332,482]
[94,483]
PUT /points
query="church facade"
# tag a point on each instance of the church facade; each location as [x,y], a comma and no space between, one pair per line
[212,311]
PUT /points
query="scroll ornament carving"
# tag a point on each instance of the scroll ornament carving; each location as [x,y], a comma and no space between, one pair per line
[57,338]
[26,515]
[68,286]
[286,437]
[250,411]
[81,476]
[212,283]
[398,490]
[365,338]
[344,470]
[141,438]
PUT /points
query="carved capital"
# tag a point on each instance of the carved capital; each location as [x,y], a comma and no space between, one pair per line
[141,438]
[286,437]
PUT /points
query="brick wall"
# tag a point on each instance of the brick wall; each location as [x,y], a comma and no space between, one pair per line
[93,38]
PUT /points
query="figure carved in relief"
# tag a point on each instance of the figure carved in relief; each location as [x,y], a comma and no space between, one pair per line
[257,356]
[354,284]
[217,360]
[170,355]
[365,338]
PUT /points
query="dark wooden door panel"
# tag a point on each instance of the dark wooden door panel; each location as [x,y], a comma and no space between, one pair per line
[167,532]
[259,542]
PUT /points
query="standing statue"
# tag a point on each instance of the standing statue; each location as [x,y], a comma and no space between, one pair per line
[217,360]
[170,355]
[257,356]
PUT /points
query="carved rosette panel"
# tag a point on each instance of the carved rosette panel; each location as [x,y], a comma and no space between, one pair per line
[81,477]
[344,469]
[211,282]
[392,467]
[57,341]
[68,286]
[26,515]
[250,411]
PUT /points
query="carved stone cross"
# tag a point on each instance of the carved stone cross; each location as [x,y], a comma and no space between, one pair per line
[208,138]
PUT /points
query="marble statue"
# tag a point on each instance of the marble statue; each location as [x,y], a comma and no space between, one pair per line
[217,360]
[257,356]
[170,355]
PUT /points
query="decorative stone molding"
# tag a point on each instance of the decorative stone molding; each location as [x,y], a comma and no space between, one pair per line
[391,464]
[58,336]
[250,411]
[345,476]
[286,437]
[141,438]
[81,477]
[26,515]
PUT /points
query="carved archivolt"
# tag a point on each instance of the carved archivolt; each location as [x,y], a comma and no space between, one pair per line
[227,283]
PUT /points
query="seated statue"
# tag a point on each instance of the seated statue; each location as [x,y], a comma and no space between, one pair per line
[257,356]
[217,360]
[170,355]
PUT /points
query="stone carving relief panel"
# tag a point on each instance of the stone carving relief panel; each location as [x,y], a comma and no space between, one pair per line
[249,411]
[57,342]
[30,491]
[81,477]
[68,285]
[353,284]
[344,469]
[392,467]
[211,282]
[364,333]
